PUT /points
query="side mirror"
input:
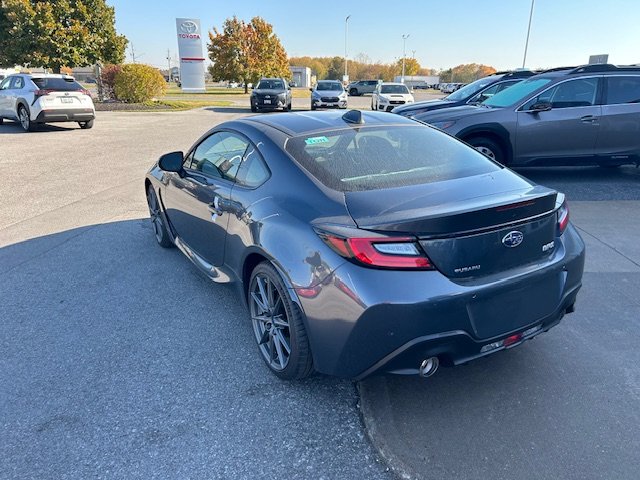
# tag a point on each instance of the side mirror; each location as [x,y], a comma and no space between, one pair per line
[311,89]
[540,107]
[171,162]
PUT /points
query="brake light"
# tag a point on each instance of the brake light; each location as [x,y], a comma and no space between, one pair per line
[381,252]
[41,93]
[563,217]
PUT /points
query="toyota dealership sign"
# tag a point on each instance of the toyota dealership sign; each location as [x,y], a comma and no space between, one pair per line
[190,52]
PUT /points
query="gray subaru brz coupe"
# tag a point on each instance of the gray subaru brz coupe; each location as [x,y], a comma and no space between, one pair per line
[364,242]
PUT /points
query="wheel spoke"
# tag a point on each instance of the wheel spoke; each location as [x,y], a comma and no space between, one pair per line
[263,294]
[259,303]
[269,293]
[276,341]
[280,322]
[277,304]
[265,337]
[283,341]
[271,349]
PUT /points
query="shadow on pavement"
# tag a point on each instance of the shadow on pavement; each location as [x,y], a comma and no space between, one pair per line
[117,358]
[9,128]
[564,405]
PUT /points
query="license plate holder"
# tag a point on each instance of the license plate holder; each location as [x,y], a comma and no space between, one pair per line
[267,102]
[66,100]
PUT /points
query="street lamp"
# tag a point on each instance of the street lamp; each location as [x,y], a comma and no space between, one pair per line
[346,29]
[404,52]
[526,45]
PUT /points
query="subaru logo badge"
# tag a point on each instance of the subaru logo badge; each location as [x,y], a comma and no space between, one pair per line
[512,239]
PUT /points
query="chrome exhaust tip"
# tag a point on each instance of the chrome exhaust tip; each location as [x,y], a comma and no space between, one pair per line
[428,367]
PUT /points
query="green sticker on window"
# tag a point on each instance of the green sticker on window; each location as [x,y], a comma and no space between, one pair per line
[315,140]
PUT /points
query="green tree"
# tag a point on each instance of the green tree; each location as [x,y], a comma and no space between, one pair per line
[71,33]
[246,51]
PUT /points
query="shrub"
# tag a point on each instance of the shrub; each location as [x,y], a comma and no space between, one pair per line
[108,77]
[137,83]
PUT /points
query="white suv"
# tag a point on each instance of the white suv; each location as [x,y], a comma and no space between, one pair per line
[32,99]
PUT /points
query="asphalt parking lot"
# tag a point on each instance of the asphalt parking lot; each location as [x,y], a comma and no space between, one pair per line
[119,360]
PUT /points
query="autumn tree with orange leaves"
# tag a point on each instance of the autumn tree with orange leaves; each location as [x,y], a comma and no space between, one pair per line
[245,52]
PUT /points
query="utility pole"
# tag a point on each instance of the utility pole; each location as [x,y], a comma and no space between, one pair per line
[346,29]
[404,53]
[133,54]
[169,63]
[414,54]
[526,45]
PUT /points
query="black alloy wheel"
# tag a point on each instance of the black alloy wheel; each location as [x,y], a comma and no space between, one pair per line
[157,221]
[277,325]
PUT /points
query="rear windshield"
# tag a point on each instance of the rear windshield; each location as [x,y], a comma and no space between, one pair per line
[58,84]
[394,89]
[370,158]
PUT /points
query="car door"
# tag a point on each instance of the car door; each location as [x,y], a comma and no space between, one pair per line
[5,98]
[567,131]
[619,137]
[197,200]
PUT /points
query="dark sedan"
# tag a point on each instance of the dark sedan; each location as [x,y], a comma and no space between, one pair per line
[367,242]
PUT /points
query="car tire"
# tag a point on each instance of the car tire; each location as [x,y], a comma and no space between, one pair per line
[1,120]
[86,125]
[25,120]
[254,109]
[313,107]
[276,332]
[353,92]
[489,148]
[157,220]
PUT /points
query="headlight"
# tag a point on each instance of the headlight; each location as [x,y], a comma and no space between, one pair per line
[443,125]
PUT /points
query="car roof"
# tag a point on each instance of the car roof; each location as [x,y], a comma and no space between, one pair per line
[300,123]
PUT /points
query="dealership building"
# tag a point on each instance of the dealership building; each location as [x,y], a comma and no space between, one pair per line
[301,76]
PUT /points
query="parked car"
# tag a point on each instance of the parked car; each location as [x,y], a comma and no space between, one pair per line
[361,87]
[388,95]
[587,115]
[365,242]
[33,99]
[328,94]
[271,94]
[475,92]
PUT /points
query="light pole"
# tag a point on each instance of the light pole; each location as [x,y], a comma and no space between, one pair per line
[526,44]
[404,52]
[346,29]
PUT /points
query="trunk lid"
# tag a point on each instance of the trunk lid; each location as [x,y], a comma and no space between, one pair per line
[468,227]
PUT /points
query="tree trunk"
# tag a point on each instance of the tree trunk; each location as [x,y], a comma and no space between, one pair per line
[246,87]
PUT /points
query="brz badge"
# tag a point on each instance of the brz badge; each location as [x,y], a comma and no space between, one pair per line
[512,239]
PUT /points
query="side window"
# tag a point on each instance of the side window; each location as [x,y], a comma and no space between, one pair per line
[219,155]
[18,83]
[623,90]
[5,83]
[488,93]
[580,92]
[253,172]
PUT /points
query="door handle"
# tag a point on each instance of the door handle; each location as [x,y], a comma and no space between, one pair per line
[589,119]
[215,209]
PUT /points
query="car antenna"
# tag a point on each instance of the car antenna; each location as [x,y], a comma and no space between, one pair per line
[353,116]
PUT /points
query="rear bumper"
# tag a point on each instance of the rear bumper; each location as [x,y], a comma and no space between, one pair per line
[65,115]
[339,104]
[363,321]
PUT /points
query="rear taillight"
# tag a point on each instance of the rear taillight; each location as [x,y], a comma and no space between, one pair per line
[382,252]
[563,217]
[41,93]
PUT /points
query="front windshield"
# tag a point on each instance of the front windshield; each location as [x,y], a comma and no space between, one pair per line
[516,93]
[471,89]
[271,85]
[331,86]
[394,89]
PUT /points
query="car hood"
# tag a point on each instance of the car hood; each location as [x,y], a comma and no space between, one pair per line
[267,91]
[423,106]
[453,113]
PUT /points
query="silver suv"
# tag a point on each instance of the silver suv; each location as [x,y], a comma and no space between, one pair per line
[361,87]
[587,115]
[33,99]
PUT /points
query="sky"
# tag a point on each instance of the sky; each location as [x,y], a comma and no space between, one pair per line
[442,34]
